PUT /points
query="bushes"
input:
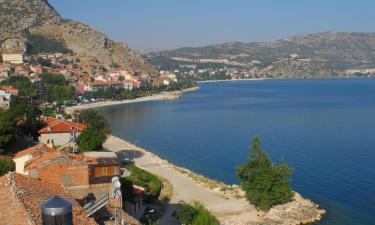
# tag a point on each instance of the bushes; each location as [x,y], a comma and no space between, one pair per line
[195,214]
[6,165]
[265,183]
[142,178]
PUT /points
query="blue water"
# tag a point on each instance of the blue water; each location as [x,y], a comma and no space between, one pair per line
[325,129]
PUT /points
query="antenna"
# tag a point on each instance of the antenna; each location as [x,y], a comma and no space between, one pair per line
[115,193]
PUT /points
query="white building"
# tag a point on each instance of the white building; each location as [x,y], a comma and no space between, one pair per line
[5,99]
[103,86]
[13,57]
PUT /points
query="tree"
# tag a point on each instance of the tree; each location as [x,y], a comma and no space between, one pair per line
[265,183]
[7,132]
[23,84]
[56,87]
[90,140]
[25,119]
[96,133]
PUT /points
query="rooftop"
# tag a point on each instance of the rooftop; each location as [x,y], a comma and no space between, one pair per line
[54,125]
[30,194]
[40,148]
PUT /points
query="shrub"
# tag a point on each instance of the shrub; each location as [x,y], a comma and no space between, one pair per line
[142,178]
[195,214]
[6,165]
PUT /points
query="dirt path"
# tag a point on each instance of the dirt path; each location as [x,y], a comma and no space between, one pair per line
[185,188]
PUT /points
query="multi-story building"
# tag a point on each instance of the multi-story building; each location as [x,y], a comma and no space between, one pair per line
[15,57]
[103,86]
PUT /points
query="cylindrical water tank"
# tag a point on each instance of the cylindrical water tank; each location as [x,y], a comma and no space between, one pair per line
[57,211]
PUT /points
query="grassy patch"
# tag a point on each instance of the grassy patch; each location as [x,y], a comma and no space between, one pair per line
[142,178]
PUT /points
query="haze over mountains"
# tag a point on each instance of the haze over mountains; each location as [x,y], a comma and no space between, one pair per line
[326,53]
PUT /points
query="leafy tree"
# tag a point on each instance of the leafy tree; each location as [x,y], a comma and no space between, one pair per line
[265,183]
[97,130]
[95,120]
[90,140]
[7,132]
[25,119]
[6,165]
[23,84]
[56,87]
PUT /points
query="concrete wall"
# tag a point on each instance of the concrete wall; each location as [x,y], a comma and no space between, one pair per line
[58,138]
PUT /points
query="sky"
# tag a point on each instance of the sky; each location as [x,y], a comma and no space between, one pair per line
[151,25]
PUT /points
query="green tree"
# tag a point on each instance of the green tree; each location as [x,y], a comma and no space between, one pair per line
[23,84]
[7,132]
[90,140]
[96,133]
[6,165]
[56,87]
[265,183]
[25,119]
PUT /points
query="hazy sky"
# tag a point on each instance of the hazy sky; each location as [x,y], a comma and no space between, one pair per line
[165,24]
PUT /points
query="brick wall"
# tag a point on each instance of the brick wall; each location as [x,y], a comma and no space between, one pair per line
[64,173]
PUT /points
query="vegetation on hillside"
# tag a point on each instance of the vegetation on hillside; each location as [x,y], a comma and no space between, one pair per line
[265,183]
[195,214]
[96,133]
[23,84]
[43,44]
[56,88]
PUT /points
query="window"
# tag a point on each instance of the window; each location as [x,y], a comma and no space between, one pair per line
[104,171]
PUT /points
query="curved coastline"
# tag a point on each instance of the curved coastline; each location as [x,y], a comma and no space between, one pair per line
[225,201]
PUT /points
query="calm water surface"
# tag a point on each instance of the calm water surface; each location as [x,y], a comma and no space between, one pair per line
[325,129]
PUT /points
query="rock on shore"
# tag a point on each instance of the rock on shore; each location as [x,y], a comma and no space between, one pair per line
[299,211]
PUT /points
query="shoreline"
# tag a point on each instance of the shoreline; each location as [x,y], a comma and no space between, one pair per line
[173,95]
[225,201]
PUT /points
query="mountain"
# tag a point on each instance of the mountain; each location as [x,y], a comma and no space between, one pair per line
[316,53]
[22,18]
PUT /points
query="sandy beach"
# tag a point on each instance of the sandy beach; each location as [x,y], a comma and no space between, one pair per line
[162,96]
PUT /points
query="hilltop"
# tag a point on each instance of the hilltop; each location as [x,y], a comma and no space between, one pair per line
[327,53]
[21,19]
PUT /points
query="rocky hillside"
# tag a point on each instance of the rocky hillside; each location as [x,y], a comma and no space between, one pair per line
[319,52]
[19,17]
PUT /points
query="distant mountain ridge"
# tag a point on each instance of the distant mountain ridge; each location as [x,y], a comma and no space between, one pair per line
[39,17]
[318,52]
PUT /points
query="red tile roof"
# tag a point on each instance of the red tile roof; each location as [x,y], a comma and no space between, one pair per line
[34,150]
[29,196]
[60,126]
